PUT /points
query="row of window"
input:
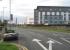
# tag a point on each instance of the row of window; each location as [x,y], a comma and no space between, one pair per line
[57,18]
[54,13]
[59,9]
[56,22]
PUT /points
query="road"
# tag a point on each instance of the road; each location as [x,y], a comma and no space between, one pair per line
[26,37]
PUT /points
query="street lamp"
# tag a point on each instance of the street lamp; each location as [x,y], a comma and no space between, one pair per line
[3,13]
[10,8]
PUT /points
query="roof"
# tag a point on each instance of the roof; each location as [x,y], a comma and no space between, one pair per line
[53,7]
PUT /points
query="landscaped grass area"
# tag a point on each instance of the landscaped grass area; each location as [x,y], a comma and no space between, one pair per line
[7,46]
[50,28]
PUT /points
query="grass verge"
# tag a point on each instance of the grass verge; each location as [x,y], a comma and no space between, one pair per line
[50,28]
[8,46]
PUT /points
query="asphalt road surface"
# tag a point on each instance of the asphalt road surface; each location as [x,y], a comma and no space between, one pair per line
[37,40]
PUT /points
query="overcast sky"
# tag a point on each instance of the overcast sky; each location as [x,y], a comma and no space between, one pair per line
[26,7]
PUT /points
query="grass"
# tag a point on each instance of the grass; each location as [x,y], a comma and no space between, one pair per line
[7,46]
[50,28]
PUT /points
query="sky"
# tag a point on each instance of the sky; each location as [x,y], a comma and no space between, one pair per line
[26,8]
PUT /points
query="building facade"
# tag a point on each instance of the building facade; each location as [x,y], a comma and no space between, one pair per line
[52,15]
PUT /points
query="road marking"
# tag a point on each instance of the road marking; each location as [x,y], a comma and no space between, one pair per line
[55,34]
[38,41]
[55,41]
[50,44]
[65,40]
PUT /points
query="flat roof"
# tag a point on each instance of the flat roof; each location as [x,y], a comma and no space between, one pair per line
[53,7]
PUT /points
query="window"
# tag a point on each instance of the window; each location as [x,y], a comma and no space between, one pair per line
[43,13]
[60,17]
[51,17]
[57,13]
[46,21]
[50,9]
[61,22]
[53,13]
[55,17]
[64,18]
[55,22]
[48,13]
[55,9]
[62,13]
[51,21]
[60,9]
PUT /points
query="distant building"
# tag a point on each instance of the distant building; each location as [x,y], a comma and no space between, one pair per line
[29,20]
[52,15]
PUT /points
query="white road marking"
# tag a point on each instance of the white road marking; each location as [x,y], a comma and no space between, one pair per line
[36,40]
[55,41]
[55,34]
[50,44]
[65,40]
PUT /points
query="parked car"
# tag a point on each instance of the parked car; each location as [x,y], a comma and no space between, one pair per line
[10,35]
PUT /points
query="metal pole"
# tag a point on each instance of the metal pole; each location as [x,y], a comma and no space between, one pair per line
[3,15]
[10,6]
[10,12]
[3,29]
[3,12]
[16,20]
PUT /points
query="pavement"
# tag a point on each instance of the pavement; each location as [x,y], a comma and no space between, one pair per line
[20,46]
[38,40]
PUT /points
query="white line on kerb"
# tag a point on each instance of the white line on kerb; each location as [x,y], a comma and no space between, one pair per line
[65,40]
[55,41]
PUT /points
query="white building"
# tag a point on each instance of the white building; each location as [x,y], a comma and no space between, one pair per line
[52,15]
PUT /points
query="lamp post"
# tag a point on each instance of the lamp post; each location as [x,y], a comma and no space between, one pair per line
[3,13]
[10,7]
[10,13]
